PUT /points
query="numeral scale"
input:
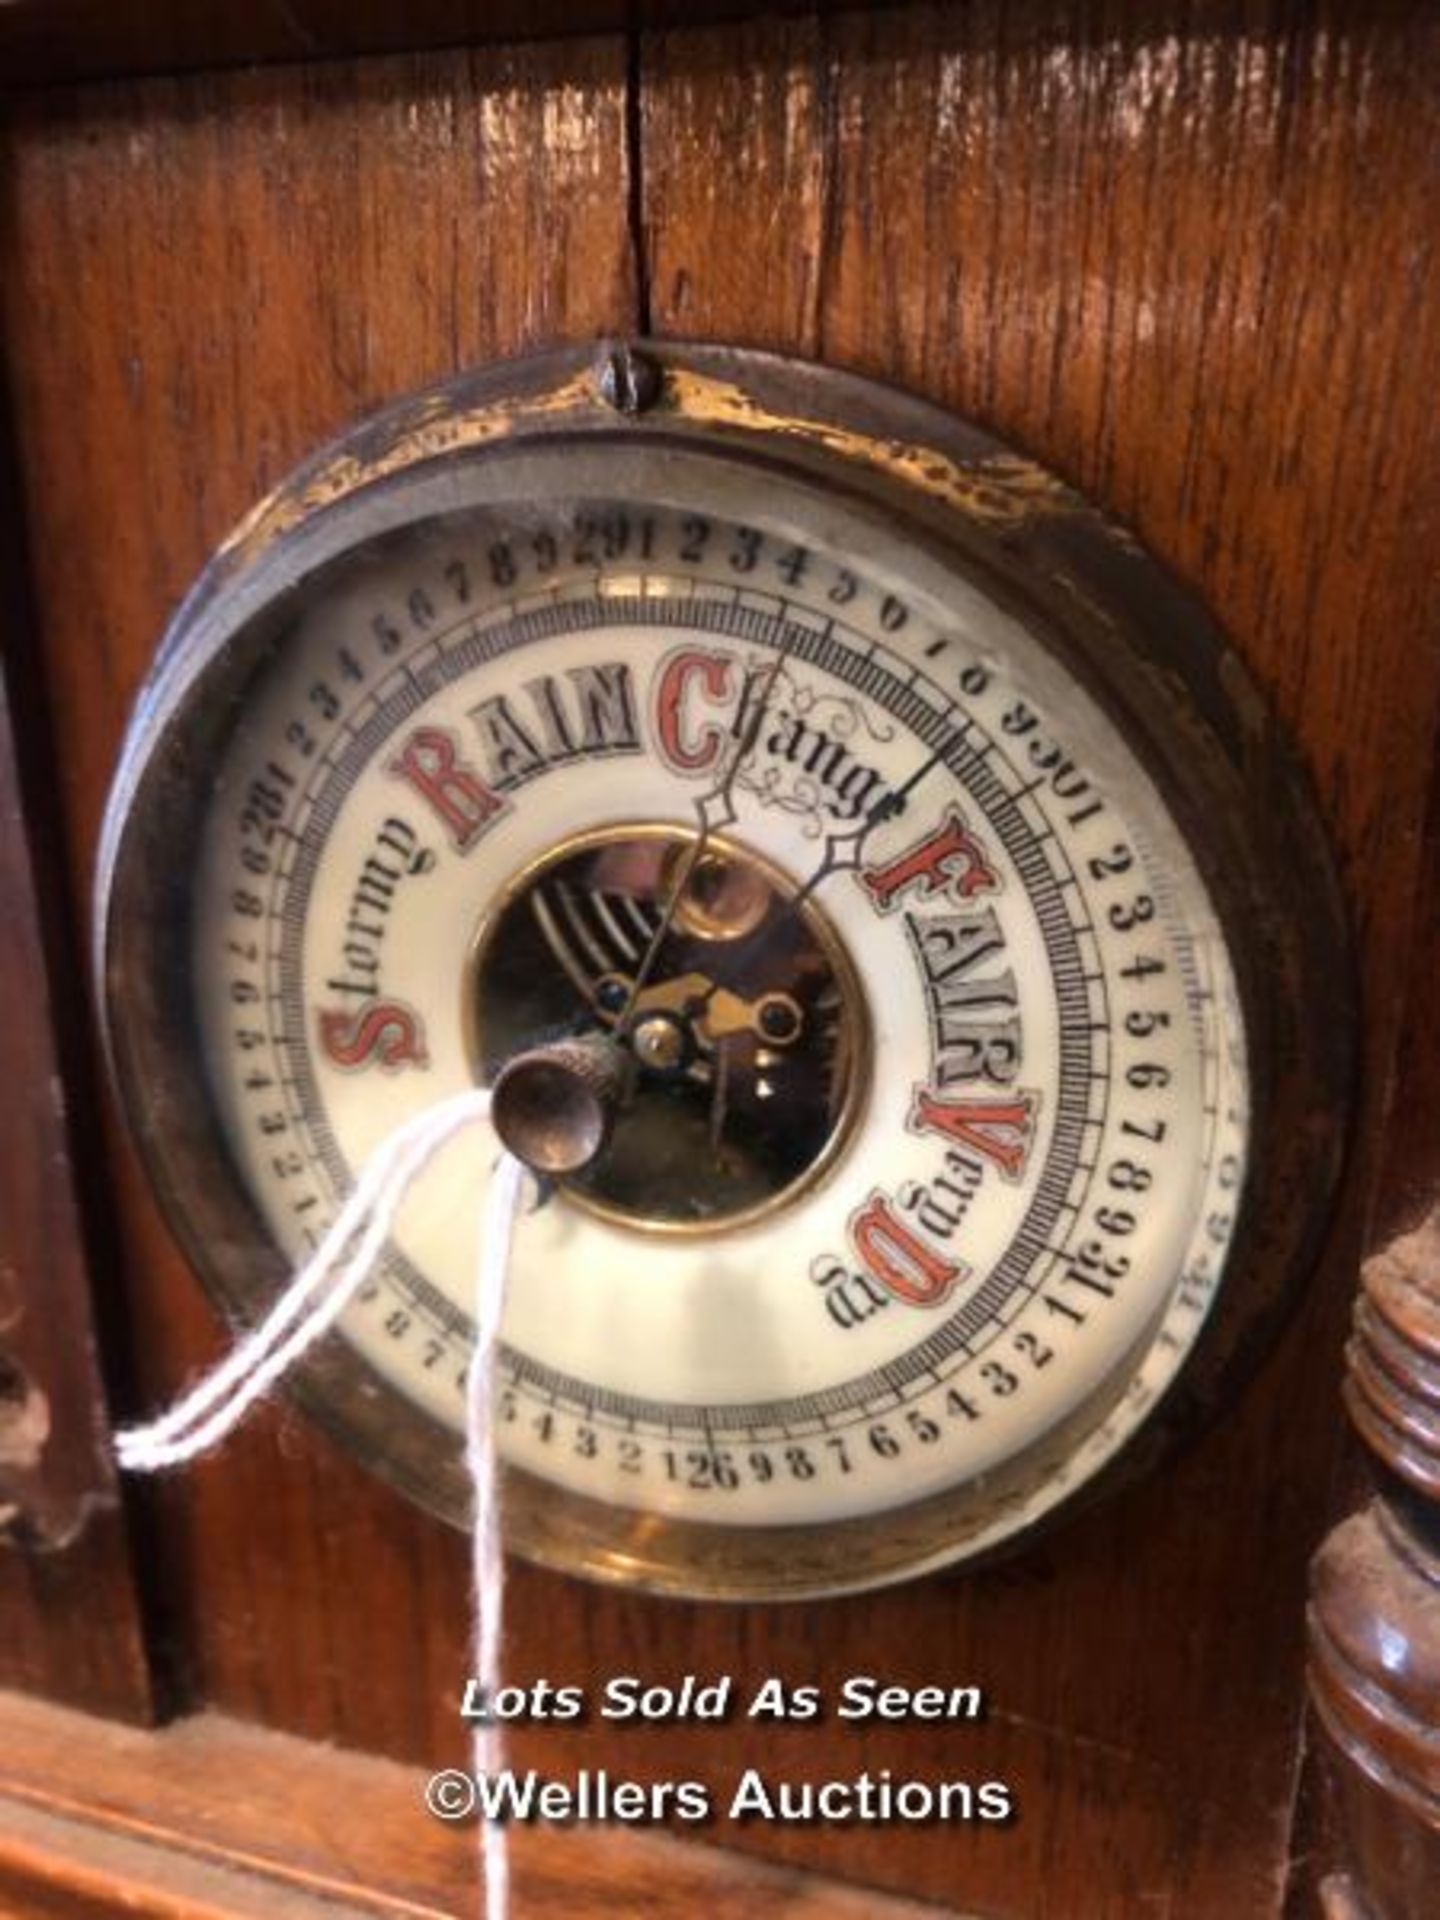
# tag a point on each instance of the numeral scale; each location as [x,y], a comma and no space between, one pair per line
[890,903]
[894,931]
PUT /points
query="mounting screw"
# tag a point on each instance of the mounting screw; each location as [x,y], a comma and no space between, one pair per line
[630,382]
[661,1042]
[612,994]
[780,1018]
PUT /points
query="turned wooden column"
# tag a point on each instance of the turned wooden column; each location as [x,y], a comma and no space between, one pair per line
[1374,1620]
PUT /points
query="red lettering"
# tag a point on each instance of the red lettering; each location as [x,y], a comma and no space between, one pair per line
[383,1033]
[671,687]
[998,1129]
[898,1259]
[432,765]
[949,857]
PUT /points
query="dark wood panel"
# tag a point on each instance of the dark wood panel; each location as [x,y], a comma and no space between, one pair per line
[1360,1834]
[69,1615]
[1410,1177]
[201,280]
[211,1820]
[1161,264]
[1374,1616]
[54,40]
[1155,258]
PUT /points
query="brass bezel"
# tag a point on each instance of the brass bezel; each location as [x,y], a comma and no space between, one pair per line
[1142,646]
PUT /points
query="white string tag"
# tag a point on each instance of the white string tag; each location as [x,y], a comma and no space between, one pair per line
[311,1303]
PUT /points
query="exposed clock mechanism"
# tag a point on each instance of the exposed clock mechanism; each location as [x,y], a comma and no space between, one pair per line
[903,850]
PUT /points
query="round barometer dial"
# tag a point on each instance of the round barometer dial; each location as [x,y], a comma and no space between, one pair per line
[898,850]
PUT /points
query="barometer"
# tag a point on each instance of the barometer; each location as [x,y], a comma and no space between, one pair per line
[893,928]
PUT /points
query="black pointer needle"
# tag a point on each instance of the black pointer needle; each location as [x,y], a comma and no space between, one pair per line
[745,732]
[883,810]
[831,861]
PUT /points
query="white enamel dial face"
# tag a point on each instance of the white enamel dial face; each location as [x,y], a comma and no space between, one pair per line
[980,1193]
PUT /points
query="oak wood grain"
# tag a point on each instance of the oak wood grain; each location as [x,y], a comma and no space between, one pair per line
[1348,1824]
[1374,1615]
[202,279]
[1182,260]
[212,1820]
[70,1624]
[1148,249]
[1368,1832]
[44,41]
